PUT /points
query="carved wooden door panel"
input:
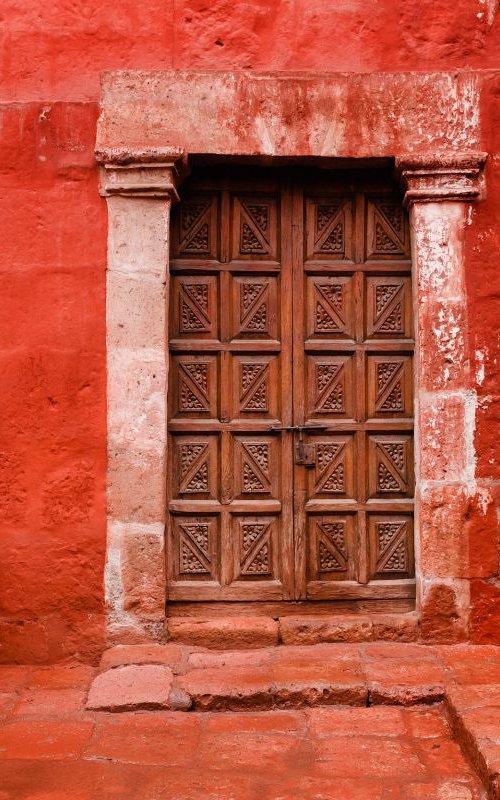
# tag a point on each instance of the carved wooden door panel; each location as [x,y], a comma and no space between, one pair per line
[290,399]
[353,373]
[231,525]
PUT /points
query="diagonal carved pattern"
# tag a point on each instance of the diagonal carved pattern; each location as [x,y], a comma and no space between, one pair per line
[390,395]
[255,465]
[254,387]
[388,313]
[195,228]
[391,467]
[330,468]
[193,459]
[389,229]
[330,388]
[254,229]
[194,307]
[329,228]
[254,306]
[329,308]
[332,546]
[193,387]
[392,548]
[255,548]
[194,548]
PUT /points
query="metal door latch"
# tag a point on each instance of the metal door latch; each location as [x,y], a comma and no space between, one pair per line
[305,454]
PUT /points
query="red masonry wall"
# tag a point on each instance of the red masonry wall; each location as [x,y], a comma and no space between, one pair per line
[52,268]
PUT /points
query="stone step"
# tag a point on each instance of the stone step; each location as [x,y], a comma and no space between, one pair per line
[180,677]
[177,677]
[245,632]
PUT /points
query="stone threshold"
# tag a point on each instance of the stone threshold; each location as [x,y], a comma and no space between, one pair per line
[183,678]
[234,632]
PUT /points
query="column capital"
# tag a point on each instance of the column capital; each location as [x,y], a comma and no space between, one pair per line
[434,178]
[142,172]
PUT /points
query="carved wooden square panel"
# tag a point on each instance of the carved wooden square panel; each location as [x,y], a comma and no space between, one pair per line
[255,308]
[194,552]
[390,539]
[332,547]
[390,392]
[195,228]
[256,548]
[329,228]
[254,228]
[387,229]
[194,467]
[330,311]
[390,466]
[193,386]
[388,307]
[194,307]
[255,386]
[329,387]
[256,471]
[332,477]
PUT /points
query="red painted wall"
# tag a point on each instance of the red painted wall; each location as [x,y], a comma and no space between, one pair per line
[52,268]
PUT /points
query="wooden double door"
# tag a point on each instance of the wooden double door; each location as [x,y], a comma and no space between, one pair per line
[290,389]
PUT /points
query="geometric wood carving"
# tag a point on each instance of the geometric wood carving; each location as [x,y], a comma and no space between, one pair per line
[329,387]
[195,465]
[195,314]
[330,308]
[330,468]
[391,546]
[254,228]
[389,386]
[255,473]
[255,308]
[255,540]
[328,228]
[255,387]
[387,230]
[331,548]
[332,475]
[255,553]
[390,466]
[194,235]
[388,307]
[195,546]
[193,386]
[255,468]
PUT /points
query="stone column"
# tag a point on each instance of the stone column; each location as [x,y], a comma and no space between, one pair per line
[139,188]
[439,190]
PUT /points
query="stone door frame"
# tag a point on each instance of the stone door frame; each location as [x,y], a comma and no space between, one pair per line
[140,185]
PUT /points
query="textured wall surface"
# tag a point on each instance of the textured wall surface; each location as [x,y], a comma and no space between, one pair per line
[52,270]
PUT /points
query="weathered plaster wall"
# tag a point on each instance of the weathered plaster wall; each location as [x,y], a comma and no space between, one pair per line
[52,271]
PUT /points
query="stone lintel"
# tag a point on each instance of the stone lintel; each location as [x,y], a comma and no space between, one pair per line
[436,178]
[142,172]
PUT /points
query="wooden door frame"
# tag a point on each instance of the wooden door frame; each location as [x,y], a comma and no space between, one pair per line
[140,184]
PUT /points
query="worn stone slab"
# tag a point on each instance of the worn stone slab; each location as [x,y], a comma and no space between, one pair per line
[310,630]
[122,655]
[224,634]
[131,688]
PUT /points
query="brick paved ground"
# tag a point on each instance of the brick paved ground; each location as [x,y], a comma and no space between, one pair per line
[283,743]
